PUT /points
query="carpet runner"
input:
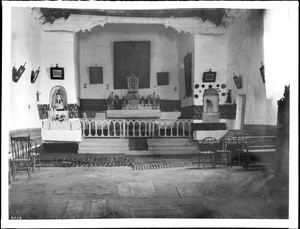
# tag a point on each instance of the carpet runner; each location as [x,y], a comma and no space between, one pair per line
[122,160]
[115,160]
[163,164]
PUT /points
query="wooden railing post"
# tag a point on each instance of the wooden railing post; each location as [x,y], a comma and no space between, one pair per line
[124,129]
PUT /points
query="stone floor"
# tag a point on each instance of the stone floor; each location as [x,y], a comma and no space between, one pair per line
[119,192]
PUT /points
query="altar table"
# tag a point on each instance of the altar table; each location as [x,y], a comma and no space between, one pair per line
[133,114]
[65,131]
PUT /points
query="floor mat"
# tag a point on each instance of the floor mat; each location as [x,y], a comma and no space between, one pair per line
[103,160]
[164,164]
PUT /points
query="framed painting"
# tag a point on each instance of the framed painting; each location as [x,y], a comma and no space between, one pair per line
[96,75]
[56,73]
[162,78]
[209,77]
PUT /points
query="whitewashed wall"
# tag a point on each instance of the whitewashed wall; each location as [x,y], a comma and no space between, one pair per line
[210,53]
[245,54]
[25,47]
[96,49]
[58,48]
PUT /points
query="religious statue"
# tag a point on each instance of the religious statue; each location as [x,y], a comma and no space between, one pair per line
[209,106]
[58,104]
[133,83]
[211,112]
[111,101]
[155,100]
[228,100]
[132,94]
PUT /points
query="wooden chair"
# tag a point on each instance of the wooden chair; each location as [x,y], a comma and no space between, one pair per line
[20,159]
[238,148]
[207,149]
[225,149]
[35,154]
[25,155]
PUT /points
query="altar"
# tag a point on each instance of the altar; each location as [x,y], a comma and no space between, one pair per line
[58,127]
[133,106]
[133,114]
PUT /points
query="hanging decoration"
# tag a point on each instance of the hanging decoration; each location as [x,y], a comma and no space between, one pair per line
[16,74]
[34,75]
[238,81]
[262,72]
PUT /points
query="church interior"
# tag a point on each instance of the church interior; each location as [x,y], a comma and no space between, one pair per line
[166,113]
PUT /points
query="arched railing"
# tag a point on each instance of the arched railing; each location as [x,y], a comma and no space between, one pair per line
[124,128]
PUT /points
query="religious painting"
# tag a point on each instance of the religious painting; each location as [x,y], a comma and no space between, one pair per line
[56,73]
[188,74]
[96,75]
[162,78]
[131,57]
[209,77]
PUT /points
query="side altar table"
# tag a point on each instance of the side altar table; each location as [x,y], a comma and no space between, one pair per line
[133,114]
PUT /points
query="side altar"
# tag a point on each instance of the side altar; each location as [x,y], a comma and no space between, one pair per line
[58,127]
[133,105]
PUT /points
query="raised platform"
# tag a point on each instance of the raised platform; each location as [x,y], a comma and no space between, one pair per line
[156,146]
[134,114]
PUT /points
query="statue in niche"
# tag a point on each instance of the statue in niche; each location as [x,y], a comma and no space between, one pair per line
[58,104]
[132,94]
[209,106]
[133,83]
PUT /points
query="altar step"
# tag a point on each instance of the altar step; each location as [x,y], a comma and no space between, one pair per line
[103,145]
[173,146]
[156,146]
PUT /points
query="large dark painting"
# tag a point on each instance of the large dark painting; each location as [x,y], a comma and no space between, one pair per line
[131,57]
[188,74]
[96,76]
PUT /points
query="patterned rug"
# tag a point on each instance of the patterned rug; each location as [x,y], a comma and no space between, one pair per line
[163,164]
[119,160]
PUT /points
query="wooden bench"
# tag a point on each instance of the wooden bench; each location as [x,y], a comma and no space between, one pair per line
[258,147]
[250,148]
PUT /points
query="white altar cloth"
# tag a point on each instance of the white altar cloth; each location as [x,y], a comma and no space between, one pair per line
[61,135]
[138,114]
[66,131]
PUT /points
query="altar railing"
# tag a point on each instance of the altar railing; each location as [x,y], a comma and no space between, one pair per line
[92,128]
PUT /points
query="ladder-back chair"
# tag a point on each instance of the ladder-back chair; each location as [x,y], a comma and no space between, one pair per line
[207,149]
[24,155]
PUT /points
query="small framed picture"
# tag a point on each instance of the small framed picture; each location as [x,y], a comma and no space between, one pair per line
[162,78]
[56,73]
[209,77]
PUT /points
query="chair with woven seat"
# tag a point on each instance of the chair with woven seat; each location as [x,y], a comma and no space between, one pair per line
[35,154]
[225,149]
[25,155]
[207,149]
[21,159]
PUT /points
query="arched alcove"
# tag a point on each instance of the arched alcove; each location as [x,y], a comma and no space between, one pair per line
[211,106]
[58,99]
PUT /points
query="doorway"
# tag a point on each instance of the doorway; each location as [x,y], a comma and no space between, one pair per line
[240,112]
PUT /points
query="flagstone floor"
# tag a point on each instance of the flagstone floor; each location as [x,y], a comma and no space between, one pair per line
[119,192]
